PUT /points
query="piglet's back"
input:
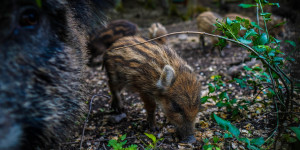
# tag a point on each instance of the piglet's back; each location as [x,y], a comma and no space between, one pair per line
[141,64]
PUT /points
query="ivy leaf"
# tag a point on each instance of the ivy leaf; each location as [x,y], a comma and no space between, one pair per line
[290,42]
[255,25]
[228,21]
[247,5]
[227,126]
[258,141]
[211,88]
[245,41]
[223,95]
[247,68]
[257,69]
[240,82]
[297,131]
[204,99]
[278,59]
[259,49]
[262,39]
[249,33]
[272,53]
[227,135]
[220,104]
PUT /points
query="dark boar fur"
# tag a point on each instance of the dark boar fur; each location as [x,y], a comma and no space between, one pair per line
[103,39]
[160,76]
[42,57]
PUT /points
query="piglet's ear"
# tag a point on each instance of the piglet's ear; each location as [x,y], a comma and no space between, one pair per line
[167,78]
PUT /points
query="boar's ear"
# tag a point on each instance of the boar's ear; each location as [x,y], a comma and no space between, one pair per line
[167,78]
[190,68]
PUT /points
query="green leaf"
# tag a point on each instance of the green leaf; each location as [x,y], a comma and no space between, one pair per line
[297,131]
[278,59]
[224,124]
[123,137]
[291,140]
[290,42]
[123,143]
[211,88]
[39,3]
[112,142]
[255,25]
[252,147]
[247,68]
[259,49]
[240,82]
[228,21]
[272,91]
[223,95]
[258,141]
[216,139]
[249,33]
[245,140]
[262,39]
[132,147]
[272,53]
[258,69]
[220,104]
[222,43]
[151,136]
[266,14]
[204,99]
[206,140]
[227,135]
[276,4]
[233,101]
[245,41]
[247,5]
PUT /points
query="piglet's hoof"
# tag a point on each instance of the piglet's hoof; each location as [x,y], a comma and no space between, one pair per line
[190,139]
[117,118]
[154,128]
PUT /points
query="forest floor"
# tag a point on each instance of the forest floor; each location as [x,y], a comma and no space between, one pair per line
[258,121]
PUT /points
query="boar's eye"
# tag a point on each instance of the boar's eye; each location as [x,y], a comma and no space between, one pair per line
[29,18]
[176,107]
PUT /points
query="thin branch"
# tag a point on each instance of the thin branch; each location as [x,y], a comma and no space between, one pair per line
[87,118]
[204,33]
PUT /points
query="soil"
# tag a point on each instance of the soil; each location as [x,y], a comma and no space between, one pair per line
[100,129]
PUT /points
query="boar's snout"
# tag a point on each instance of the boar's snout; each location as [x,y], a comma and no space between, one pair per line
[189,139]
[186,134]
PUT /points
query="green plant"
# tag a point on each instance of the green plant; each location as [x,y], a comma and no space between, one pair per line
[209,146]
[153,143]
[252,144]
[120,142]
[270,80]
[233,106]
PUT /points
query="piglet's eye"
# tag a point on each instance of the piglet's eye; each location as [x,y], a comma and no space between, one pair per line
[29,18]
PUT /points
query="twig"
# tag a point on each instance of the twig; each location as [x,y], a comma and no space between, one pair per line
[142,146]
[86,120]
[161,143]
[104,146]
[204,33]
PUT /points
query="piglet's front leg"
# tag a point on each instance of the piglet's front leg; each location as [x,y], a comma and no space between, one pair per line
[150,107]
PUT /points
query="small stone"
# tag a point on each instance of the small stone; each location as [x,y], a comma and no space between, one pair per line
[182,37]
[233,145]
